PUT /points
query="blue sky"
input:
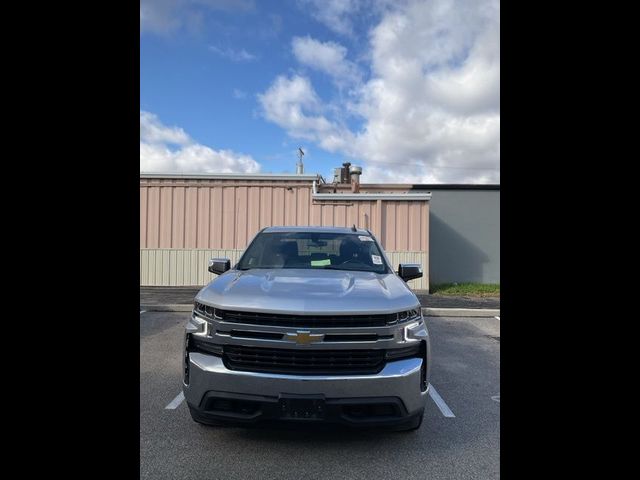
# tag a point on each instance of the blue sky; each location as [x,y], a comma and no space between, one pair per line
[408,89]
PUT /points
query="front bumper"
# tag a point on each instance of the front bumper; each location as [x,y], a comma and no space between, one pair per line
[390,396]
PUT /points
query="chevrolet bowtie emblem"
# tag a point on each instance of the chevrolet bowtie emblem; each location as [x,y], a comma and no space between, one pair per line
[304,337]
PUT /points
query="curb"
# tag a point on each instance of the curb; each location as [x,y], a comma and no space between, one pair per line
[428,311]
[460,312]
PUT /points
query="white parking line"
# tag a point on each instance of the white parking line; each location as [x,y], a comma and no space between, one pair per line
[175,402]
[437,399]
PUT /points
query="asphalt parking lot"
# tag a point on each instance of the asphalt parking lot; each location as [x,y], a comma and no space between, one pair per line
[459,438]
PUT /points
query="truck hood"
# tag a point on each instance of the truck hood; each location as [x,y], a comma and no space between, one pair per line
[307,291]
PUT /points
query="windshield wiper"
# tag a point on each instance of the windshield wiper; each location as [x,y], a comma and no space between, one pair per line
[338,267]
[256,268]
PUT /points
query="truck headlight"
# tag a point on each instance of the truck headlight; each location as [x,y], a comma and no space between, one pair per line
[407,316]
[205,311]
[201,318]
[413,314]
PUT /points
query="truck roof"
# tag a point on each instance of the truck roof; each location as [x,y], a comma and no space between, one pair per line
[316,229]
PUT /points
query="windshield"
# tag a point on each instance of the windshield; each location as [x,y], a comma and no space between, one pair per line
[314,250]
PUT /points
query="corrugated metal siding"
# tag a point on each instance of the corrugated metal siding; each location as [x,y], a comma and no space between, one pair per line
[188,267]
[396,258]
[405,225]
[226,214]
[179,267]
[184,222]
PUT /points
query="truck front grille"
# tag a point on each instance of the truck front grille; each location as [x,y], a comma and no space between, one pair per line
[305,362]
[307,321]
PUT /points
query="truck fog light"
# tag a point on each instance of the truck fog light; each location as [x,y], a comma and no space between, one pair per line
[404,352]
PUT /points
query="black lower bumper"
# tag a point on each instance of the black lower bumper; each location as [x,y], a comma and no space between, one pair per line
[241,409]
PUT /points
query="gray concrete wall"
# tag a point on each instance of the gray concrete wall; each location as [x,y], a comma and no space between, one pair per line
[465,236]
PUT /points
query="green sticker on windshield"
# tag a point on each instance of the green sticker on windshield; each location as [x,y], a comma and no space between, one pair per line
[320,263]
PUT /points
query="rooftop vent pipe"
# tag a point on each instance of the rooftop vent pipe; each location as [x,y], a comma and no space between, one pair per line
[354,173]
[300,165]
[345,175]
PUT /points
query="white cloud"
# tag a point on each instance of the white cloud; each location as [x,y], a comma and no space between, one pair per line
[286,101]
[171,150]
[234,55]
[327,57]
[430,110]
[166,16]
[152,131]
[156,16]
[293,104]
[334,14]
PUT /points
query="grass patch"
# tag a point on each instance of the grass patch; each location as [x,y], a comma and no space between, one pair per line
[467,289]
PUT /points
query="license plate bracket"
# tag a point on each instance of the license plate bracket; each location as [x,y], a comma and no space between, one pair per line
[302,407]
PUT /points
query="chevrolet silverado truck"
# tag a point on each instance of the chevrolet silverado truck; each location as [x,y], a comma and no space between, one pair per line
[311,325]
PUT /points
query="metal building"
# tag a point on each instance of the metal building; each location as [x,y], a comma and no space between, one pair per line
[464,233]
[187,219]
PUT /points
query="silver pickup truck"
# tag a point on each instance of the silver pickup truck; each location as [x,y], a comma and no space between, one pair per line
[311,325]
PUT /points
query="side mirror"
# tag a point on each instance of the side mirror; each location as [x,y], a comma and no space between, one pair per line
[409,271]
[219,265]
